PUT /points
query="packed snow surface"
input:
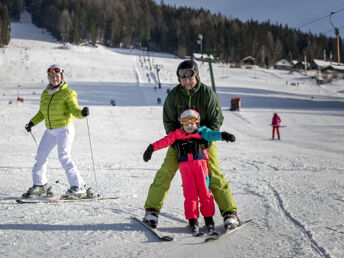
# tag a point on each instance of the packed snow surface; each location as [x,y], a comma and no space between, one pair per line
[292,188]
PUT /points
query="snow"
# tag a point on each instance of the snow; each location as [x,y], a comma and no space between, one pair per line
[293,188]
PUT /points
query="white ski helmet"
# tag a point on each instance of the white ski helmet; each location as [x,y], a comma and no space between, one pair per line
[189,116]
[55,68]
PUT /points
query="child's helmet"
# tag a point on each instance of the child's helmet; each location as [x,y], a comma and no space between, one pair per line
[189,116]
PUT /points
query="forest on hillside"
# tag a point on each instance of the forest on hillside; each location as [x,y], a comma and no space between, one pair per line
[145,24]
[4,25]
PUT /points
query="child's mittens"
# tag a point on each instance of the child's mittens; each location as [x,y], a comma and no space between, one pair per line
[227,137]
[148,153]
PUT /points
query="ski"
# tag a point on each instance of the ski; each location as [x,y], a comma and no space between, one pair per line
[198,234]
[212,236]
[58,200]
[155,231]
[218,236]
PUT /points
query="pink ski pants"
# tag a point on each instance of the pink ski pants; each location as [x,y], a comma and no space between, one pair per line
[194,176]
[273,131]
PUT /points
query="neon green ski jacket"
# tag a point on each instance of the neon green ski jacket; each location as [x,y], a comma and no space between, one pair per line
[58,109]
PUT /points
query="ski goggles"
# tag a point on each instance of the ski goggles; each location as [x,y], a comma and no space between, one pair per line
[54,70]
[186,73]
[189,120]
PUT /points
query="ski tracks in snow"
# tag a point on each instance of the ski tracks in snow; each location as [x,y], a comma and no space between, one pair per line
[269,206]
[298,224]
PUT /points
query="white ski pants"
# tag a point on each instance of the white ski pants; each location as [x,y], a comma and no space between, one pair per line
[62,137]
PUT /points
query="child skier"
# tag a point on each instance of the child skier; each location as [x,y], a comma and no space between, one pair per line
[190,142]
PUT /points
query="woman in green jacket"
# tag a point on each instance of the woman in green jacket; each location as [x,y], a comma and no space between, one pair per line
[58,105]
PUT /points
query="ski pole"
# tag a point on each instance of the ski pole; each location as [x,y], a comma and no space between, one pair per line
[34,139]
[94,167]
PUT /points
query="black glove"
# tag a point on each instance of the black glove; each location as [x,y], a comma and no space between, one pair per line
[227,137]
[85,111]
[29,126]
[148,153]
[203,144]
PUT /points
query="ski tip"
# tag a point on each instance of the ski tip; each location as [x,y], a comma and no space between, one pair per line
[167,238]
[212,238]
[246,221]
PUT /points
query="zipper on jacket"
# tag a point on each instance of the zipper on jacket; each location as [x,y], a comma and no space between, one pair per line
[48,110]
[189,99]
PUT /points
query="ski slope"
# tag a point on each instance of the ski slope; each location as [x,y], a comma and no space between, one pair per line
[293,188]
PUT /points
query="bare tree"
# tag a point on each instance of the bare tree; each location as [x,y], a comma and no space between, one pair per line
[65,25]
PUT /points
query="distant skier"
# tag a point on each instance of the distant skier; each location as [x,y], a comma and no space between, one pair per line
[58,105]
[276,120]
[112,102]
[193,165]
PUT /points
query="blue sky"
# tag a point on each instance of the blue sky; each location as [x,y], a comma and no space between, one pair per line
[294,13]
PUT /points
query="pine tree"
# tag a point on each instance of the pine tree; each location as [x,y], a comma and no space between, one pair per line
[93,30]
[4,26]
[64,25]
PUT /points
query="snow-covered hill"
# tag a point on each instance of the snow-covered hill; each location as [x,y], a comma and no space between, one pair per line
[293,188]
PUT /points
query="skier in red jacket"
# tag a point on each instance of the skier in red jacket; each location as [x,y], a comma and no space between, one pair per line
[276,120]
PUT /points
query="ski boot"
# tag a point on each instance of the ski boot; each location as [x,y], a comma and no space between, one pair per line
[210,226]
[75,192]
[38,191]
[231,220]
[194,227]
[151,217]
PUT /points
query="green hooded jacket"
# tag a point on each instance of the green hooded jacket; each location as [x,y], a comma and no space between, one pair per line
[200,98]
[58,109]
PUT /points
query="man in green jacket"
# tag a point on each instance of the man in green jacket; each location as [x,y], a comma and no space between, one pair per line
[191,94]
[58,105]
